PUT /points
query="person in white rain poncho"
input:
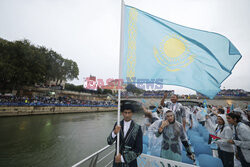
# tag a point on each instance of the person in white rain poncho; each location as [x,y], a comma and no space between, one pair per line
[189,117]
[243,116]
[177,108]
[224,132]
[173,133]
[241,138]
[150,118]
[216,112]
[199,116]
[248,118]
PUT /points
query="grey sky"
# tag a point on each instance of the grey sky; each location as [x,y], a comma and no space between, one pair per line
[88,32]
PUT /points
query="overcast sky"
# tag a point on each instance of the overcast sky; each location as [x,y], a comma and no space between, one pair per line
[88,32]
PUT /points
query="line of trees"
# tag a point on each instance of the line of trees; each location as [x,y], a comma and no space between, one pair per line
[80,88]
[24,64]
[132,88]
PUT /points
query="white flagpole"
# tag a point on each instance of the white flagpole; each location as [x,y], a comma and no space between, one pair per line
[120,75]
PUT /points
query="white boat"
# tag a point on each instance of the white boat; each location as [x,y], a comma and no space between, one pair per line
[104,157]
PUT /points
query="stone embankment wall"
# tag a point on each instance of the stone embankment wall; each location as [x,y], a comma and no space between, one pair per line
[35,110]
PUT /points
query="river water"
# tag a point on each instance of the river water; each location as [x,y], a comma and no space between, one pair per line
[58,140]
[54,140]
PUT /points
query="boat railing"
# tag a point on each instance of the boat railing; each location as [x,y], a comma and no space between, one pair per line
[103,158]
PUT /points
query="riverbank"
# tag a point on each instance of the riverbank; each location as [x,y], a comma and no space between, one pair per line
[39,110]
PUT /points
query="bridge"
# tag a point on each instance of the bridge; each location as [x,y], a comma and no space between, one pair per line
[148,101]
[222,101]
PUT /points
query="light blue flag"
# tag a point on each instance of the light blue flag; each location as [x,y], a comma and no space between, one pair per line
[204,112]
[232,108]
[204,103]
[154,110]
[156,50]
[156,104]
[143,101]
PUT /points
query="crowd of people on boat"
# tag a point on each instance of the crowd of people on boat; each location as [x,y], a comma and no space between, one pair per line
[12,100]
[171,129]
[230,128]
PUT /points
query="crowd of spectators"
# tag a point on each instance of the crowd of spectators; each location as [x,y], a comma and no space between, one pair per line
[159,93]
[51,101]
[126,94]
[150,93]
[232,92]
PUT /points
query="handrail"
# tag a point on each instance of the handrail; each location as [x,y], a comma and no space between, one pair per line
[93,155]
[109,163]
[105,156]
[143,160]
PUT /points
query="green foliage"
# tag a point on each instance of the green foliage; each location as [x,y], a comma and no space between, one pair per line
[80,88]
[76,88]
[23,64]
[132,88]
[107,91]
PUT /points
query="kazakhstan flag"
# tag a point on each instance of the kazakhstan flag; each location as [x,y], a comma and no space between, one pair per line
[156,49]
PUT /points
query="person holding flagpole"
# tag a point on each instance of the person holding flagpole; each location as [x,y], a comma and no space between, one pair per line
[130,145]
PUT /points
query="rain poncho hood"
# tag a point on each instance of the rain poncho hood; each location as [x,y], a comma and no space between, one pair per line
[223,116]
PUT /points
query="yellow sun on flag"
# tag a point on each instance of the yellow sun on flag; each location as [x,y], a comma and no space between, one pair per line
[173,53]
[174,47]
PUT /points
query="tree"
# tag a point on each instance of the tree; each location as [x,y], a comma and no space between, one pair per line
[23,64]
[132,88]
[107,91]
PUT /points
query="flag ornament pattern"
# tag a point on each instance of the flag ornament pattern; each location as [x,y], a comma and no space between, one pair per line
[131,55]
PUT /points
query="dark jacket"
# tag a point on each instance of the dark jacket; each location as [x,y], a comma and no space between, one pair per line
[130,145]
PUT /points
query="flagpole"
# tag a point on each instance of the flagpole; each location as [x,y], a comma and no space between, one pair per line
[120,75]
